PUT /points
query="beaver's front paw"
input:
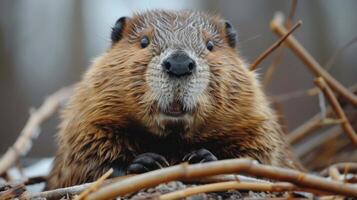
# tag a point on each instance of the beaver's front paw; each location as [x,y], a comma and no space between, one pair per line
[147,162]
[199,156]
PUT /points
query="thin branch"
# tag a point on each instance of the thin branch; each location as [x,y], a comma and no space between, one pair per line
[295,94]
[272,67]
[309,126]
[330,62]
[13,192]
[31,130]
[26,182]
[59,193]
[333,150]
[309,61]
[225,178]
[303,130]
[314,123]
[332,197]
[94,186]
[274,46]
[310,145]
[329,146]
[77,189]
[341,167]
[291,14]
[346,126]
[345,172]
[71,191]
[334,173]
[230,185]
[279,55]
[230,166]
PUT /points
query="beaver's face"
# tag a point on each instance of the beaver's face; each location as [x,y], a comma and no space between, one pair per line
[182,50]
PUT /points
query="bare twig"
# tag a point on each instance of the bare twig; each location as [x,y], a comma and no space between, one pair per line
[26,182]
[271,69]
[345,172]
[331,151]
[338,52]
[309,61]
[94,186]
[291,14]
[230,185]
[225,178]
[185,172]
[346,126]
[341,167]
[13,192]
[314,143]
[59,193]
[334,173]
[314,123]
[332,197]
[77,189]
[71,191]
[30,131]
[279,55]
[329,146]
[274,46]
[295,94]
[309,126]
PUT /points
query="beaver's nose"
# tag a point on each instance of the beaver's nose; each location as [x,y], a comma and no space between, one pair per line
[179,64]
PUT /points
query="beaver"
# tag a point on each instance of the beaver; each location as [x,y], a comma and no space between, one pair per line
[171,88]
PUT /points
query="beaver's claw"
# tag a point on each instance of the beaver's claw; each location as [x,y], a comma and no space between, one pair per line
[199,156]
[147,162]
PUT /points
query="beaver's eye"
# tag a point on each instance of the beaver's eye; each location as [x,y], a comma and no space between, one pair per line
[144,42]
[210,45]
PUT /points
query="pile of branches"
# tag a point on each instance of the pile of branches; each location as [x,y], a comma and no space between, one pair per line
[312,140]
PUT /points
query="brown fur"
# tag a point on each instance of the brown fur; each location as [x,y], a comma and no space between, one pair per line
[107,121]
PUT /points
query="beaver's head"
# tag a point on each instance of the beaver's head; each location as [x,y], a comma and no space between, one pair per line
[173,70]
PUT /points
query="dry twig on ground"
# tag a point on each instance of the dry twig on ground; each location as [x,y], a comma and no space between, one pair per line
[334,173]
[230,185]
[31,129]
[185,172]
[77,189]
[94,186]
[341,167]
[13,193]
[71,191]
[59,193]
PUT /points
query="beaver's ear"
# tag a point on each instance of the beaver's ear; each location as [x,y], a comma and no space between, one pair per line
[231,34]
[117,30]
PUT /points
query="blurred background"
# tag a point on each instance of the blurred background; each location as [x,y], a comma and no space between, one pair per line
[45,45]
